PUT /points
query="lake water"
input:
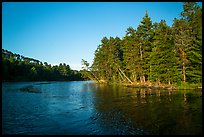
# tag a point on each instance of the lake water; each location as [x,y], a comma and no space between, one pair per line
[85,108]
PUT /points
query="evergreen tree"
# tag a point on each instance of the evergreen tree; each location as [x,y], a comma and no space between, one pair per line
[131,54]
[188,38]
[192,14]
[183,41]
[100,58]
[154,52]
[163,59]
[16,67]
[145,34]
[108,59]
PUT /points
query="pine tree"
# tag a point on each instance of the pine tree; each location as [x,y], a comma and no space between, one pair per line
[131,54]
[108,59]
[183,41]
[163,58]
[145,35]
[155,52]
[192,14]
[188,39]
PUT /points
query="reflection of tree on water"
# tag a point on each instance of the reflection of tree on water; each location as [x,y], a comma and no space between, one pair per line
[123,110]
[86,96]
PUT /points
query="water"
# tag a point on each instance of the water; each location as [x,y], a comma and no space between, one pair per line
[85,108]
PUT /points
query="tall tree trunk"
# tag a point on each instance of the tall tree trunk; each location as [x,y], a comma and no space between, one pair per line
[121,75]
[142,78]
[141,52]
[169,82]
[184,73]
[183,58]
[125,75]
[95,77]
[158,81]
[134,77]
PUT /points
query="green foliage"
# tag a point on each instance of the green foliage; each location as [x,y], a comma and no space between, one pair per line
[154,52]
[85,70]
[186,85]
[163,59]
[131,55]
[145,34]
[108,59]
[188,37]
[19,68]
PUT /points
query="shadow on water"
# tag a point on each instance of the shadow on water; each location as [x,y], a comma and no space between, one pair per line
[41,83]
[30,89]
[121,110]
[85,108]
[33,87]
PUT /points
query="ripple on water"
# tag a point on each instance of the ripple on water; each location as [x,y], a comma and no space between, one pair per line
[80,108]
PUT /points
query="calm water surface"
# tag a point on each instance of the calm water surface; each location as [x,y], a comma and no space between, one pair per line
[85,108]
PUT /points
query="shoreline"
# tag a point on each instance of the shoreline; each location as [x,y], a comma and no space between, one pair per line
[148,85]
[151,87]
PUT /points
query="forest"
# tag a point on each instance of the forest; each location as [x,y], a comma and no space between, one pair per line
[152,53]
[16,67]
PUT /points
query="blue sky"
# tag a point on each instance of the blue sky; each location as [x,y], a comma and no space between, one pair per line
[68,32]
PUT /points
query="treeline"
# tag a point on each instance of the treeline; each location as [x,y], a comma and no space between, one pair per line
[16,67]
[153,52]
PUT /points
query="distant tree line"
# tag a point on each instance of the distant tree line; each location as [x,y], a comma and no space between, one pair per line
[153,52]
[16,67]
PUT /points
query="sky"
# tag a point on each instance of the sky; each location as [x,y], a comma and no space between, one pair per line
[67,32]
